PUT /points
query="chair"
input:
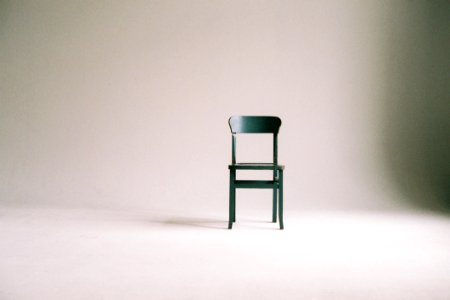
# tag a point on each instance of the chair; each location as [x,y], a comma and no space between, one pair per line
[256,124]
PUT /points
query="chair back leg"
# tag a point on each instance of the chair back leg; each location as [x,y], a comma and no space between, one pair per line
[280,200]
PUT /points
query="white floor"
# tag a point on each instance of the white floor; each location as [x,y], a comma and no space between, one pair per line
[88,254]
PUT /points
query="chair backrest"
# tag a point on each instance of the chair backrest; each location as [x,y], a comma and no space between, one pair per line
[254,124]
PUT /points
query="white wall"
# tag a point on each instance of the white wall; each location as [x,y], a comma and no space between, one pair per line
[124,104]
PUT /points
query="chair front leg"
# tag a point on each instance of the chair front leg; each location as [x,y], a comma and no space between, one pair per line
[280,210]
[233,194]
[232,204]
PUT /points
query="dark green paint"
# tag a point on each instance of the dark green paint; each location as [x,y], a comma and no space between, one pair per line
[256,124]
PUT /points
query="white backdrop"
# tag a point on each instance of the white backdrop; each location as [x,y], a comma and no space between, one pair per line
[124,104]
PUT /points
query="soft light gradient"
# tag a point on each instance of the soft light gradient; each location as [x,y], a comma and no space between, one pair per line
[121,107]
[125,103]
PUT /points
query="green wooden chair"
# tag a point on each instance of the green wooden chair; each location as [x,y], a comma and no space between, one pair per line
[256,124]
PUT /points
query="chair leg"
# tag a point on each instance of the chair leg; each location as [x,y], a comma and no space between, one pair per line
[232,208]
[280,201]
[274,206]
[233,193]
[234,204]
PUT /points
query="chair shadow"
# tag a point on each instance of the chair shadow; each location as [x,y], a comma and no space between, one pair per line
[208,223]
[195,222]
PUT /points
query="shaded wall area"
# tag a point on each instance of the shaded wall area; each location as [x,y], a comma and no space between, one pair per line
[416,124]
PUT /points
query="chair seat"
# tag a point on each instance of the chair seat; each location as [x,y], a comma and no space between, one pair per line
[255,166]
